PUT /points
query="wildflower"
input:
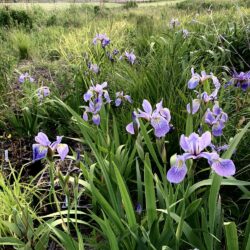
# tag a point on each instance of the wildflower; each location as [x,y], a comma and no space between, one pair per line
[134,126]
[121,97]
[94,68]
[196,79]
[138,208]
[178,171]
[222,167]
[115,51]
[217,119]
[218,149]
[43,92]
[25,77]
[159,118]
[97,92]
[103,39]
[241,80]
[185,33]
[203,97]
[194,147]
[93,108]
[130,57]
[174,23]
[44,146]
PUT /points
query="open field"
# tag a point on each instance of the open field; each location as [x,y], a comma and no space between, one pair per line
[125,126]
[65,5]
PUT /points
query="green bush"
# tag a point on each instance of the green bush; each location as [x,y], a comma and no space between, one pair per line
[10,17]
[130,4]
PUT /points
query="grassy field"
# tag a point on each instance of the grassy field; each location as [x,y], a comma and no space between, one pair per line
[125,127]
[63,5]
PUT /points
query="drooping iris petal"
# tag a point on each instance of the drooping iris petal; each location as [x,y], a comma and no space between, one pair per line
[216,109]
[209,117]
[178,171]
[118,102]
[195,106]
[87,96]
[217,128]
[62,150]
[96,119]
[215,81]
[39,152]
[193,82]
[128,98]
[160,125]
[42,139]
[85,116]
[224,167]
[106,96]
[130,128]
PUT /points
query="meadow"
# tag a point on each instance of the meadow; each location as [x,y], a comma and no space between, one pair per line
[125,126]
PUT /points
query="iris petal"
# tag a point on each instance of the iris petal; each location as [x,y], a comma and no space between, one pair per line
[39,152]
[42,139]
[118,102]
[160,125]
[224,167]
[62,150]
[177,174]
[130,128]
[96,119]
[147,107]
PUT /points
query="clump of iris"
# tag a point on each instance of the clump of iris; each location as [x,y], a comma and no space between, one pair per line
[25,77]
[96,96]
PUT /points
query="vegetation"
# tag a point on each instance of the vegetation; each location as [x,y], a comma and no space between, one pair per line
[154,153]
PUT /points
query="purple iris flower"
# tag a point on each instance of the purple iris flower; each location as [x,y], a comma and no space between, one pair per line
[194,146]
[120,97]
[94,109]
[25,77]
[203,97]
[222,167]
[217,119]
[196,79]
[43,146]
[174,23]
[178,171]
[97,92]
[138,208]
[185,33]
[43,92]
[134,126]
[115,51]
[158,118]
[94,68]
[130,57]
[103,39]
[241,80]
[218,149]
